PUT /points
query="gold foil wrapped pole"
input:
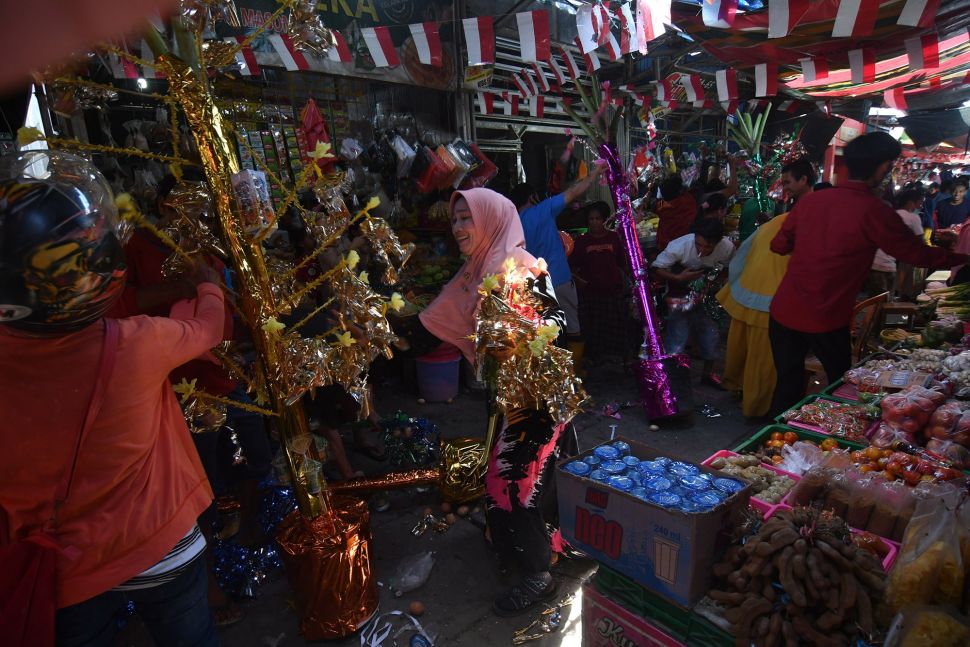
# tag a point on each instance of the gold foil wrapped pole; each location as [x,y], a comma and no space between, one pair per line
[387,248]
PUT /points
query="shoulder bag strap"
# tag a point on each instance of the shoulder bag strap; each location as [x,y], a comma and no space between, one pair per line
[106,366]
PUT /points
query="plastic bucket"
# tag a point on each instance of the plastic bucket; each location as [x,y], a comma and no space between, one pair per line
[438,375]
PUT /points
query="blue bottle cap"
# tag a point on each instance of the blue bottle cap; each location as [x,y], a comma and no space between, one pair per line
[708,499]
[682,469]
[592,459]
[640,493]
[599,475]
[651,468]
[695,482]
[691,507]
[657,483]
[663,460]
[579,468]
[620,483]
[665,499]
[613,467]
[631,461]
[607,453]
[730,486]
[622,446]
[680,490]
[634,476]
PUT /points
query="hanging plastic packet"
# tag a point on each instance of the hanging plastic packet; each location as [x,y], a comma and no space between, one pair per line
[405,155]
[482,173]
[253,201]
[350,149]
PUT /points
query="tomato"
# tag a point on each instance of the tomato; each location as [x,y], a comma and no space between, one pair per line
[777,436]
[890,475]
[886,453]
[777,459]
[873,453]
[867,468]
[829,444]
[791,437]
[894,466]
[912,477]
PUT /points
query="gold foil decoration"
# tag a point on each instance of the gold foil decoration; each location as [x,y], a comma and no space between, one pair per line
[387,248]
[283,283]
[199,13]
[307,30]
[464,462]
[328,566]
[389,481]
[217,53]
[203,416]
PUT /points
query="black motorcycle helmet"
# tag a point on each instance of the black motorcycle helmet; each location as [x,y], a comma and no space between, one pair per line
[62,265]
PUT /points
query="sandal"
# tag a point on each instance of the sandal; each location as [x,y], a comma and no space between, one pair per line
[227,615]
[522,597]
[371,452]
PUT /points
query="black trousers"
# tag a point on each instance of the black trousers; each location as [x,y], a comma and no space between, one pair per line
[789,347]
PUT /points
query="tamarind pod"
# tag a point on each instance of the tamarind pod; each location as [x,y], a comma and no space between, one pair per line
[753,565]
[814,569]
[829,621]
[774,631]
[833,554]
[864,611]
[732,598]
[788,581]
[849,588]
[869,579]
[801,546]
[788,632]
[798,565]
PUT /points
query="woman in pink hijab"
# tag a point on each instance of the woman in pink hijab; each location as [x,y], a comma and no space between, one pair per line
[487,228]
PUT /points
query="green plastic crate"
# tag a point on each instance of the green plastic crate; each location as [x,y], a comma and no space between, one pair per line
[757,440]
[683,624]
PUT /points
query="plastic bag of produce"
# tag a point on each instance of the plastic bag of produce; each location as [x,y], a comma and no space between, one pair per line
[886,435]
[929,568]
[800,457]
[909,410]
[944,421]
[923,625]
[953,452]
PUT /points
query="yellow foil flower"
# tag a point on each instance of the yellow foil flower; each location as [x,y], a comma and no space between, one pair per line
[363,276]
[346,339]
[489,283]
[185,389]
[353,258]
[28,135]
[397,302]
[273,326]
[322,151]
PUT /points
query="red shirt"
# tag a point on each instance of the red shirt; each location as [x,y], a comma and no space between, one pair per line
[676,217]
[832,236]
[597,260]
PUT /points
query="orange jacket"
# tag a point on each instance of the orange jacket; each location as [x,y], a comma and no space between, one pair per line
[139,484]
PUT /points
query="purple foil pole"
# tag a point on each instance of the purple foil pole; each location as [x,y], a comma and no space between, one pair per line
[658,397]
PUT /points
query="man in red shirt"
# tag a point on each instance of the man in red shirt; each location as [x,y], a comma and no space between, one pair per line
[677,211]
[832,237]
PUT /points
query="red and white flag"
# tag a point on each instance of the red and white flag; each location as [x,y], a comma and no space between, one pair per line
[486,103]
[121,66]
[249,57]
[703,104]
[790,106]
[719,13]
[530,82]
[730,107]
[537,107]
[652,18]
[511,103]
[862,64]
[814,68]
[692,84]
[783,15]
[895,98]
[341,53]
[613,48]
[765,79]
[534,35]
[923,52]
[541,77]
[592,60]
[727,84]
[855,18]
[381,46]
[293,59]
[571,67]
[151,73]
[665,90]
[479,39]
[524,89]
[629,40]
[918,13]
[557,70]
[428,42]
[592,27]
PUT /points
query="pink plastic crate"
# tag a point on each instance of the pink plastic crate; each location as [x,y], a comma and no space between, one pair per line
[887,561]
[756,503]
[847,391]
[871,429]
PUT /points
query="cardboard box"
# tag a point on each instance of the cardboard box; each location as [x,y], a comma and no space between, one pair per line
[667,551]
[607,624]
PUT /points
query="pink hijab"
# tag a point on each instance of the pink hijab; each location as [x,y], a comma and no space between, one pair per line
[451,316]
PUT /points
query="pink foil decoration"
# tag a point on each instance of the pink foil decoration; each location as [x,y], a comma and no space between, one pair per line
[659,400]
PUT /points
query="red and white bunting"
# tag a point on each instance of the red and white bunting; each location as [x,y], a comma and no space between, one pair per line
[479,39]
[652,18]
[629,40]
[249,57]
[537,107]
[923,52]
[757,104]
[293,59]
[592,60]
[530,82]
[122,67]
[427,41]
[149,57]
[727,84]
[704,104]
[918,13]
[521,85]
[541,77]
[855,18]
[862,64]
[588,27]
[665,90]
[486,103]
[571,67]
[534,35]
[730,107]
[765,80]
[692,84]
[341,53]
[719,13]
[791,106]
[783,15]
[814,68]
[557,70]
[511,106]
[381,46]
[613,48]
[895,98]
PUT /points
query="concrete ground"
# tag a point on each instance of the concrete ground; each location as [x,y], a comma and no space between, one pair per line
[459,592]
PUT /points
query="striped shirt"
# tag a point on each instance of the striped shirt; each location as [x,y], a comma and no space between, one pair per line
[186,551]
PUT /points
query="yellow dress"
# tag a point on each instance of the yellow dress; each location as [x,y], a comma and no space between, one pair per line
[753,279]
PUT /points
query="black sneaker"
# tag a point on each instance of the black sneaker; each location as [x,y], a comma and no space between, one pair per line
[525,595]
